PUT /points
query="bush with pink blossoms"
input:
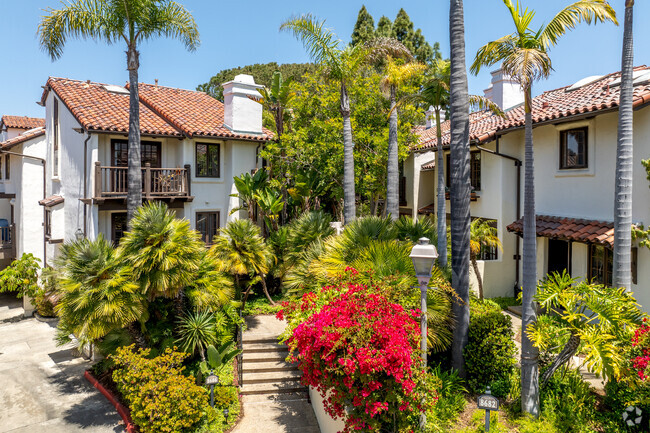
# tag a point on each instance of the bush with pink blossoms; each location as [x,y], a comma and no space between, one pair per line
[361,351]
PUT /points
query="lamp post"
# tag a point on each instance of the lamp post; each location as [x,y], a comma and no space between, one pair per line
[423,256]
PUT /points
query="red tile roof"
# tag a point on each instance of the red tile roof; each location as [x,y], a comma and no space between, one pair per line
[27,135]
[551,105]
[51,201]
[163,110]
[22,122]
[570,229]
[429,165]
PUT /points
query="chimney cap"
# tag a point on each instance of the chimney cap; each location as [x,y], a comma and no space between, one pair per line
[243,80]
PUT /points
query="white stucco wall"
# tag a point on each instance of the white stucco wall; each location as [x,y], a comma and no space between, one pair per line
[325,422]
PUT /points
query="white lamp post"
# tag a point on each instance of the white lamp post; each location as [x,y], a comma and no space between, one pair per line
[423,256]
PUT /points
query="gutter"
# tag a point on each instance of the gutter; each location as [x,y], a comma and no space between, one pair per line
[86,183]
[518,164]
[42,160]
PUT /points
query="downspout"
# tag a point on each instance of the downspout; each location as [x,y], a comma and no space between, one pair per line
[86,183]
[518,205]
[42,160]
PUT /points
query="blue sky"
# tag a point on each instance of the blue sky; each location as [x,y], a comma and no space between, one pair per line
[240,32]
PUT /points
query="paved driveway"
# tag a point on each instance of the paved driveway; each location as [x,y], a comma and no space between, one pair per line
[42,388]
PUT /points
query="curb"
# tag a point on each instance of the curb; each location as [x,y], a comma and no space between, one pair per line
[121,410]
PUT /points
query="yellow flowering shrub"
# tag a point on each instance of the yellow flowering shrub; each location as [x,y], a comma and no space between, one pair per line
[160,397]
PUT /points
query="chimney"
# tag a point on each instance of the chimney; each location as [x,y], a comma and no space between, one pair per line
[504,91]
[430,116]
[241,112]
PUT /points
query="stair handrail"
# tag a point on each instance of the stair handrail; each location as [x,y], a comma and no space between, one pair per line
[240,356]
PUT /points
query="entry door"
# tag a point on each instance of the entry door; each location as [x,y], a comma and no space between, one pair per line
[558,256]
[118,227]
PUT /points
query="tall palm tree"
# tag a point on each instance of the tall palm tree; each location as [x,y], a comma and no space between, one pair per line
[240,250]
[460,182]
[482,235]
[622,272]
[394,76]
[97,293]
[118,20]
[525,58]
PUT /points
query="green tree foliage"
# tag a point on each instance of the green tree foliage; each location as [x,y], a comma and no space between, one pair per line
[364,29]
[384,27]
[21,276]
[263,73]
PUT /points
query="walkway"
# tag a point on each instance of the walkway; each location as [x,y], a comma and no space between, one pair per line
[273,400]
[42,385]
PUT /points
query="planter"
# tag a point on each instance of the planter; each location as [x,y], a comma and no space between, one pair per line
[326,423]
[45,319]
[119,407]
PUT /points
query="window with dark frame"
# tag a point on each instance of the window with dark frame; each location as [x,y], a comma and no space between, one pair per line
[600,265]
[207,159]
[55,140]
[7,167]
[475,170]
[207,223]
[150,152]
[48,223]
[573,148]
[118,227]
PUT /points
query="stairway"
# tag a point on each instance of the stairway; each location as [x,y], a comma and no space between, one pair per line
[265,370]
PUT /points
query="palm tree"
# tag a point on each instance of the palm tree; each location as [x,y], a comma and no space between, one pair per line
[240,250]
[460,182]
[482,235]
[622,275]
[525,57]
[395,75]
[247,186]
[97,293]
[117,20]
[162,252]
[211,288]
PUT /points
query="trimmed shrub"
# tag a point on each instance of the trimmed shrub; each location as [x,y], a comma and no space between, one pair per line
[490,350]
[160,397]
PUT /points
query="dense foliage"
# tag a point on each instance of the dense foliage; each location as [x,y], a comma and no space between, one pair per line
[360,351]
[21,276]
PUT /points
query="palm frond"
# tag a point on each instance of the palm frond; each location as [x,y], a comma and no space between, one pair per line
[170,19]
[483,103]
[568,18]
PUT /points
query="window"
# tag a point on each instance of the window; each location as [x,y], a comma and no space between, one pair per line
[487,252]
[7,167]
[475,170]
[600,264]
[55,145]
[207,160]
[207,223]
[149,153]
[118,227]
[573,148]
[48,223]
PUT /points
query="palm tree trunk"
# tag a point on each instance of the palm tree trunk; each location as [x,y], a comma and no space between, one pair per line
[479,279]
[441,211]
[137,336]
[529,353]
[134,194]
[266,290]
[392,185]
[563,357]
[622,271]
[349,196]
[460,183]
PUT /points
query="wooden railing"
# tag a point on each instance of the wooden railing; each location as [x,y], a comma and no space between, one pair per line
[112,182]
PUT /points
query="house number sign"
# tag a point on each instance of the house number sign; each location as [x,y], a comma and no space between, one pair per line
[488,402]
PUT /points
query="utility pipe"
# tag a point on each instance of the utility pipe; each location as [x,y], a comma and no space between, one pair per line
[44,195]
[518,205]
[86,183]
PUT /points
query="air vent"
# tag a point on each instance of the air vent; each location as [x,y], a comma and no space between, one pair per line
[116,89]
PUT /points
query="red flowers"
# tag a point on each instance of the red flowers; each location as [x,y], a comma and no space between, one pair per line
[362,350]
[641,343]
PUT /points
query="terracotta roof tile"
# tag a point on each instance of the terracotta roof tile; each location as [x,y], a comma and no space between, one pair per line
[163,110]
[429,165]
[25,136]
[427,210]
[22,122]
[51,201]
[572,229]
[554,104]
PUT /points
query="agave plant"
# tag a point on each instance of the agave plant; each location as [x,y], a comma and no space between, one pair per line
[197,330]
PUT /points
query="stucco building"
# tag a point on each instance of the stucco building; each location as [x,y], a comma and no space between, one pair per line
[575,131]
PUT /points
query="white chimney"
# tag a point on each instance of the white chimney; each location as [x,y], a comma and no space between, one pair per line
[430,116]
[504,91]
[241,113]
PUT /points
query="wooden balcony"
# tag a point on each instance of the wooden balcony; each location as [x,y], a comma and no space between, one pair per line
[7,242]
[111,183]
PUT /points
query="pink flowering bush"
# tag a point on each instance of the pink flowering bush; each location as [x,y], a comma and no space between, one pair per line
[641,351]
[361,351]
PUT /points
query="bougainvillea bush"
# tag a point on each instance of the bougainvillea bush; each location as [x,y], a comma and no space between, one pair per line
[361,351]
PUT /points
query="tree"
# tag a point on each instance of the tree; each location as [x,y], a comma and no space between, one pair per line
[622,266]
[402,29]
[460,182]
[364,29]
[384,27]
[482,235]
[525,57]
[97,294]
[240,250]
[112,21]
[394,76]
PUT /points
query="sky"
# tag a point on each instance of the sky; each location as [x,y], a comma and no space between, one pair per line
[242,32]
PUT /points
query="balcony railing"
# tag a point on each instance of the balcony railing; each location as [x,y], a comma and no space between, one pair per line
[7,242]
[112,182]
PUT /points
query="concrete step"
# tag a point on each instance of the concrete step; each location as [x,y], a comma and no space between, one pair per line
[12,315]
[268,366]
[271,377]
[260,338]
[272,388]
[278,356]
[271,398]
[264,347]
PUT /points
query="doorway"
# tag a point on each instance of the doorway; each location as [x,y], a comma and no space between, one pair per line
[558,256]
